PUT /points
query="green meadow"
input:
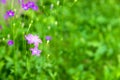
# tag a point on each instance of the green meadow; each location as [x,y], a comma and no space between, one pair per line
[85,42]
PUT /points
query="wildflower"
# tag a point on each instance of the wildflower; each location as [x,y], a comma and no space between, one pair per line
[3,1]
[10,42]
[28,38]
[48,38]
[25,6]
[33,39]
[31,5]
[35,7]
[35,51]
[8,14]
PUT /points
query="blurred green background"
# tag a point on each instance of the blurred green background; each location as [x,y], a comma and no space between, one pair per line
[85,41]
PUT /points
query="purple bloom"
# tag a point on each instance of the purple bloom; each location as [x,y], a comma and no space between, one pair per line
[10,42]
[33,39]
[29,38]
[48,37]
[35,51]
[30,4]
[3,1]
[25,6]
[10,13]
[35,7]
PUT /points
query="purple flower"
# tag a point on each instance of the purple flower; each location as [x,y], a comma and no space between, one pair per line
[48,37]
[35,51]
[8,14]
[3,1]
[10,42]
[29,38]
[30,4]
[33,39]
[25,6]
[35,7]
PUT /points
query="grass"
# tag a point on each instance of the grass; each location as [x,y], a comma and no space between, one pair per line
[85,41]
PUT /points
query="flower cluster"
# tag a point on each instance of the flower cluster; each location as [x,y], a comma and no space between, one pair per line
[34,39]
[31,39]
[29,5]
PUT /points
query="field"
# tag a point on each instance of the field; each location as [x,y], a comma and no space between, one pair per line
[84,44]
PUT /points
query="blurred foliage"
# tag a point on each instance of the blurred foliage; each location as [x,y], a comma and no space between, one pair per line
[85,42]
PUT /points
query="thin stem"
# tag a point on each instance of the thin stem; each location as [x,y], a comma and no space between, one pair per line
[29,26]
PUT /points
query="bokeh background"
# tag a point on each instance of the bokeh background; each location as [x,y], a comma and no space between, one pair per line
[85,42]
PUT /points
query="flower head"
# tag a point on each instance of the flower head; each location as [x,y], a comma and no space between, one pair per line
[25,6]
[29,38]
[3,1]
[35,51]
[33,39]
[10,42]
[48,38]
[35,7]
[10,13]
[30,4]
